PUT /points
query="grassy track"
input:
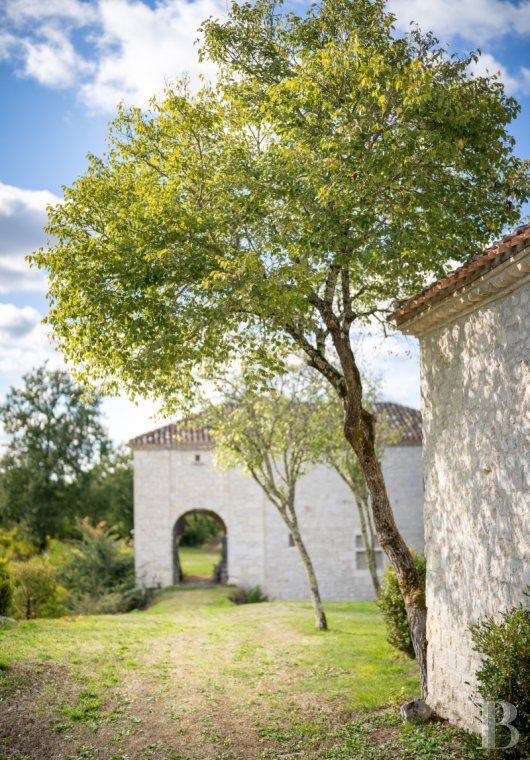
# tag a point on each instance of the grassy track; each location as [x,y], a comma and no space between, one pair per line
[197,678]
[198,560]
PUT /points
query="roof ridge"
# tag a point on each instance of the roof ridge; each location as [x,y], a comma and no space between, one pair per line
[402,418]
[487,259]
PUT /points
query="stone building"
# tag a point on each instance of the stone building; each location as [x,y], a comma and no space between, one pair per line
[474,335]
[175,476]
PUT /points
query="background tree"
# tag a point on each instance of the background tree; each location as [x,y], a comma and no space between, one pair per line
[108,491]
[270,433]
[333,168]
[199,529]
[55,439]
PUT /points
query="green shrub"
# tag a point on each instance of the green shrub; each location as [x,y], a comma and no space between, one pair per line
[505,670]
[37,593]
[393,609]
[6,589]
[240,595]
[99,572]
[15,545]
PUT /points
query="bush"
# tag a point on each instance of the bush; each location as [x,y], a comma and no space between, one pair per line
[393,609]
[253,595]
[15,545]
[99,572]
[6,589]
[37,593]
[505,671]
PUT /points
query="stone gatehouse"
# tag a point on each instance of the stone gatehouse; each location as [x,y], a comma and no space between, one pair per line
[173,477]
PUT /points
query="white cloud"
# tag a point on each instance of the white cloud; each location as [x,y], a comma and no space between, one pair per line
[16,276]
[393,363]
[487,65]
[142,48]
[22,218]
[525,80]
[135,49]
[77,13]
[131,48]
[16,322]
[24,340]
[478,21]
[54,61]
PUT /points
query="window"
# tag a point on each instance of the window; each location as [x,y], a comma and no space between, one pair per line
[361,561]
[291,539]
[197,458]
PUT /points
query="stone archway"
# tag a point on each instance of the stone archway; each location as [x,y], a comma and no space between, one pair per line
[220,573]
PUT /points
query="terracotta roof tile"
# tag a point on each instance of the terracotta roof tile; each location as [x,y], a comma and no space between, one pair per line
[480,264]
[188,435]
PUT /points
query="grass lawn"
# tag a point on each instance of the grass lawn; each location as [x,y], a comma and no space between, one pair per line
[197,677]
[198,561]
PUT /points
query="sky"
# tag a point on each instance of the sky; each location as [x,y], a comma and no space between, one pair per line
[66,64]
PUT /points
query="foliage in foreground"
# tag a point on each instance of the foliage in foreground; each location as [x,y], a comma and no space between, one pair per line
[505,670]
[242,595]
[393,608]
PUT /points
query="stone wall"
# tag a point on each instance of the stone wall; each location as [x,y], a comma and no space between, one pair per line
[476,431]
[169,483]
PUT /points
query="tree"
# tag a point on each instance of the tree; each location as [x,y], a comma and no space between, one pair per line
[56,437]
[108,491]
[333,168]
[335,451]
[271,434]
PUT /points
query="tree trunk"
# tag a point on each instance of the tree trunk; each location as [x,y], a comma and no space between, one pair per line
[359,430]
[361,438]
[320,615]
[368,540]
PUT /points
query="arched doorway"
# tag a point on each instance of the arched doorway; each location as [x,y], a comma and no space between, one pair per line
[208,564]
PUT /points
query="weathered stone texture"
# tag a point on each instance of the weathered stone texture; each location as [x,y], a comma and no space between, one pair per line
[169,483]
[476,433]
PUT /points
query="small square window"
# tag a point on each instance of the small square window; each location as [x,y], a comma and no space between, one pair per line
[361,561]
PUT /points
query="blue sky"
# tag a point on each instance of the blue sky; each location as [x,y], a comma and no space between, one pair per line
[65,64]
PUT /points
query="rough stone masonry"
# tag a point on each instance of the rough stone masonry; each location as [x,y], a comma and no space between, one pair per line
[475,345]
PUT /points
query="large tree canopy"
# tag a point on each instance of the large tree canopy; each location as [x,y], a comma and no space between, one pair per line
[328,145]
[333,167]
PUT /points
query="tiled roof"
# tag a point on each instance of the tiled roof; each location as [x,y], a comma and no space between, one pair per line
[489,259]
[188,435]
[401,419]
[185,434]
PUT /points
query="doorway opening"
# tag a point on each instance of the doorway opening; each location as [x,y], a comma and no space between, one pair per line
[199,548]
